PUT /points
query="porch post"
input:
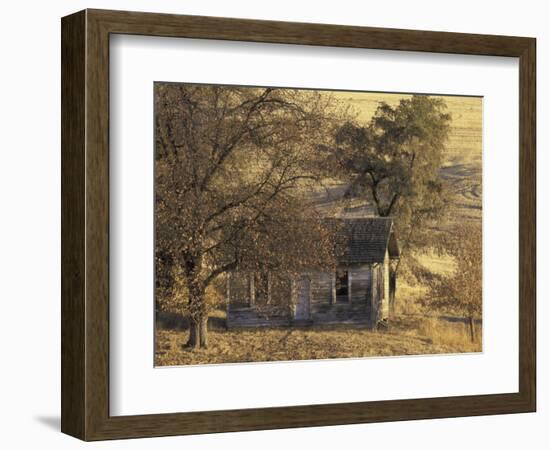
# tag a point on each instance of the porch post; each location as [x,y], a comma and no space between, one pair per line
[349,286]
[374,296]
[228,287]
[333,288]
[251,290]
[268,288]
[293,296]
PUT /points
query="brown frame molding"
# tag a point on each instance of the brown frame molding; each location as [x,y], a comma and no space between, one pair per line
[85,224]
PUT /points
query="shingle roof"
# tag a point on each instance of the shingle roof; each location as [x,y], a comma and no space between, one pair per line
[363,240]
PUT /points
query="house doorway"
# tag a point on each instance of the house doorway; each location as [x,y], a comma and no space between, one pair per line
[302,300]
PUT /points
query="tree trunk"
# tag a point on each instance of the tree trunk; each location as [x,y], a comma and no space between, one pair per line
[194,334]
[203,341]
[472,329]
[198,317]
[198,333]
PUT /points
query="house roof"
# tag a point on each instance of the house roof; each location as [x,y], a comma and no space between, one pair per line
[364,240]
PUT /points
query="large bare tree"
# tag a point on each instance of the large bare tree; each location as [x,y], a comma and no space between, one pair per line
[232,165]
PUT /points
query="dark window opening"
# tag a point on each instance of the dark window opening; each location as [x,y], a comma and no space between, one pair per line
[262,288]
[342,286]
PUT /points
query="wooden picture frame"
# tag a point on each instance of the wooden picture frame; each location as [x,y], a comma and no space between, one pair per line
[85,224]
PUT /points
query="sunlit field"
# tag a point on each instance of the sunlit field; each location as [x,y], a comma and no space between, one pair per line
[408,334]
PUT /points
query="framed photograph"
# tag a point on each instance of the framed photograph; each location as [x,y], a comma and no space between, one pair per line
[273,225]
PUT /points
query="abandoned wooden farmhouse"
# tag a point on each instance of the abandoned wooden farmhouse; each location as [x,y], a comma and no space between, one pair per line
[358,291]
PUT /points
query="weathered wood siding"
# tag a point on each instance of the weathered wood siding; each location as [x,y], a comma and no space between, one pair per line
[242,313]
[380,292]
[323,310]
[360,284]
[368,287]
[320,289]
[257,317]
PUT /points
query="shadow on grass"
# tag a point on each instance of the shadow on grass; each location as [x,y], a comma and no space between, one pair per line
[176,322]
[463,320]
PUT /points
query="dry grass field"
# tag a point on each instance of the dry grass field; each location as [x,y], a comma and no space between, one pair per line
[408,334]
